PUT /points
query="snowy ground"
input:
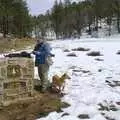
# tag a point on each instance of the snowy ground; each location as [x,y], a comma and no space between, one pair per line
[94,89]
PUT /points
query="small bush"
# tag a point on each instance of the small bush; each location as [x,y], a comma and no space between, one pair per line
[72,55]
[98,59]
[94,53]
[66,50]
[81,49]
[84,116]
[118,52]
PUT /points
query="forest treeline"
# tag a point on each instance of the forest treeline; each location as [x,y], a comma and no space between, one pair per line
[66,18]
[71,18]
[15,19]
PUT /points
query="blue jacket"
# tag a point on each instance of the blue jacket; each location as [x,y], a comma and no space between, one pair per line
[41,51]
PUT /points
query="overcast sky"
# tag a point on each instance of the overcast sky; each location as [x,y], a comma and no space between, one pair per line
[39,6]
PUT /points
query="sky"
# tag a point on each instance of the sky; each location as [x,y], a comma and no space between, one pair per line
[37,7]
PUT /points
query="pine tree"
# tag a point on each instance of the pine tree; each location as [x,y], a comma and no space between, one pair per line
[14,18]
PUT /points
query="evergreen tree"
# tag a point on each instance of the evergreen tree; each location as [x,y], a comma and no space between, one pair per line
[14,18]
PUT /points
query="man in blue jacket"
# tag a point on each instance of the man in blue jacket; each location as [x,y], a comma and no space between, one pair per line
[42,52]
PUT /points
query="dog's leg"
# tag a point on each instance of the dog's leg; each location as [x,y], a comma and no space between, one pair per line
[63,86]
[59,89]
[55,88]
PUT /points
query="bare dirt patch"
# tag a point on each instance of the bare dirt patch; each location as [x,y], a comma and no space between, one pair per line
[40,105]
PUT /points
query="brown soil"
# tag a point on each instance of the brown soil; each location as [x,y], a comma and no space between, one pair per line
[38,106]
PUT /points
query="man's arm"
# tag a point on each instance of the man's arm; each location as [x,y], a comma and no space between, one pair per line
[36,49]
[36,52]
[48,50]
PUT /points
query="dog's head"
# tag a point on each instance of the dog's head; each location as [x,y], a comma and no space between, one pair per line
[66,76]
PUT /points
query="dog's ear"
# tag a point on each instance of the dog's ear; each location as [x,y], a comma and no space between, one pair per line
[67,76]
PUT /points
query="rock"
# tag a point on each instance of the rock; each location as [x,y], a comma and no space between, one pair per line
[113,83]
[85,71]
[72,67]
[108,77]
[76,70]
[103,107]
[107,81]
[98,59]
[83,116]
[80,49]
[113,108]
[117,83]
[118,52]
[72,55]
[107,108]
[108,118]
[66,50]
[100,70]
[102,113]
[64,114]
[94,53]
[118,103]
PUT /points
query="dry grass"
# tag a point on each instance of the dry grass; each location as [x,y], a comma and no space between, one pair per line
[32,109]
[16,44]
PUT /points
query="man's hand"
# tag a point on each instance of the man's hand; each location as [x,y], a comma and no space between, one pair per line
[35,52]
[52,55]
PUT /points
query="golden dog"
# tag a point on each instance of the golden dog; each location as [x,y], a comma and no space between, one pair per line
[58,83]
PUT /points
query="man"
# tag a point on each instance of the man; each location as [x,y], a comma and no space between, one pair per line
[42,52]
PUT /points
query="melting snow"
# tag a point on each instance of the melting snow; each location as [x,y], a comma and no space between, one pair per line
[86,90]
[92,89]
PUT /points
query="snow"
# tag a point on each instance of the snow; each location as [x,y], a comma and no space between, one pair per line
[84,91]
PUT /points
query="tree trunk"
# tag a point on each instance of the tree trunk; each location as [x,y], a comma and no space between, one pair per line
[110,30]
[96,24]
[109,21]
[89,30]
[4,27]
[118,23]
